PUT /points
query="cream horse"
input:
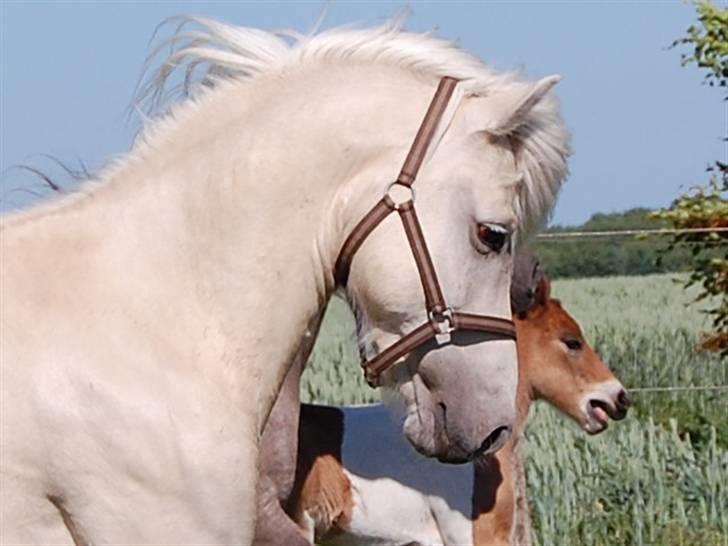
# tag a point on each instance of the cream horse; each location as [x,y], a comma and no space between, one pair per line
[149,319]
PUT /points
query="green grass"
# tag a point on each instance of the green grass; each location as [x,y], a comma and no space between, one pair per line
[661,476]
[636,484]
[333,374]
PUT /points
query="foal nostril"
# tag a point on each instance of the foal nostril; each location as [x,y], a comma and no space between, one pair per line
[621,406]
[623,400]
[495,440]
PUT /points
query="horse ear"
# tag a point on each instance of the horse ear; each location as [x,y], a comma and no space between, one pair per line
[543,291]
[503,112]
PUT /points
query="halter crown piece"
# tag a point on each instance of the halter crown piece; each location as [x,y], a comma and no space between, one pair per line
[442,320]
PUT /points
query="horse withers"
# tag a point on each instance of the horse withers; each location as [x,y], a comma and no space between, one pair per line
[357,483]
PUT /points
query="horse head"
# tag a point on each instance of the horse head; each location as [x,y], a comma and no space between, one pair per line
[473,197]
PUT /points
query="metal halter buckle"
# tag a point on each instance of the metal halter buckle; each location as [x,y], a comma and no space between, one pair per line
[443,322]
[397,204]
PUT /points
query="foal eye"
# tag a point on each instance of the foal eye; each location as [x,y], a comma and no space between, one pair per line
[493,236]
[573,344]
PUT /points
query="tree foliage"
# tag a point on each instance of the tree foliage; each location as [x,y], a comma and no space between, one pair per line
[709,42]
[707,206]
[606,256]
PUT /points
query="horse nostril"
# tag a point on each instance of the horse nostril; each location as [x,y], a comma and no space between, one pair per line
[623,399]
[495,440]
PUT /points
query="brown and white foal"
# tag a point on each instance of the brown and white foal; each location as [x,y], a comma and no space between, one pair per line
[359,482]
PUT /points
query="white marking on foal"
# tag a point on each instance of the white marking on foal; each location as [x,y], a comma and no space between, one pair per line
[419,499]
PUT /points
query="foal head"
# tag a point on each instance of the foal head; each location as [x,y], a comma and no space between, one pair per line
[558,365]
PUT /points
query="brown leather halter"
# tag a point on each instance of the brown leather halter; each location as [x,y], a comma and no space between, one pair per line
[442,319]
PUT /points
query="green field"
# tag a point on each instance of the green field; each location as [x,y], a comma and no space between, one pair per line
[660,477]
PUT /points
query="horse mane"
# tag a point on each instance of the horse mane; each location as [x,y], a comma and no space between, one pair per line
[210,53]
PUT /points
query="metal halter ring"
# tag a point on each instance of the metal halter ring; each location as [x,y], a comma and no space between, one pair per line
[443,322]
[394,204]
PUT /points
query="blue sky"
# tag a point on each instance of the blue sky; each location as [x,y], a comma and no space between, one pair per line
[643,127]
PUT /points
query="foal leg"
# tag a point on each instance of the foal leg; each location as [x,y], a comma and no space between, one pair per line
[494,500]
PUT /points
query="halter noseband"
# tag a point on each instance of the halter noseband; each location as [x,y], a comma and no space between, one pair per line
[442,319]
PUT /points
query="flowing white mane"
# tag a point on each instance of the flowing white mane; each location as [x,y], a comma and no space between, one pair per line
[210,53]
[222,52]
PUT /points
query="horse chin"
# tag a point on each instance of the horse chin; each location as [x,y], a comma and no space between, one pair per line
[425,430]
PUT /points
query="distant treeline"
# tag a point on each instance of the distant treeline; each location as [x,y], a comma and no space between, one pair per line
[623,255]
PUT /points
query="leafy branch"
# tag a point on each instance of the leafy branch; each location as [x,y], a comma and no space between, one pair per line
[707,206]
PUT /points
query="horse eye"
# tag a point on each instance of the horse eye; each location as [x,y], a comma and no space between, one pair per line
[573,344]
[492,236]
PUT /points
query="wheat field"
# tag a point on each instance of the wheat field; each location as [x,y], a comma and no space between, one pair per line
[660,477]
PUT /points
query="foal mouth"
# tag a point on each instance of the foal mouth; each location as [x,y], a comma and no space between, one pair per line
[597,414]
[599,410]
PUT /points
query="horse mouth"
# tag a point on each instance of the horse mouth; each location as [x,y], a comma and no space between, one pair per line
[490,445]
[425,430]
[599,411]
[597,416]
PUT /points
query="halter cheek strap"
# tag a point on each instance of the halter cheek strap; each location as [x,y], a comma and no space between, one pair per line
[441,319]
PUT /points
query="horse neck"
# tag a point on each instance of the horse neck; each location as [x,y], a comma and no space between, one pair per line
[242,196]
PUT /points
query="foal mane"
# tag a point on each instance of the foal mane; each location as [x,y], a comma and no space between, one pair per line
[209,54]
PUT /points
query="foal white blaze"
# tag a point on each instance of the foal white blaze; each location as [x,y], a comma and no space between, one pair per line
[148,321]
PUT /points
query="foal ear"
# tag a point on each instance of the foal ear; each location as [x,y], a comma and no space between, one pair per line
[524,280]
[505,111]
[543,291]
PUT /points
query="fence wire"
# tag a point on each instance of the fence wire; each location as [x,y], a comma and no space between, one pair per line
[644,232]
[627,232]
[679,388]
